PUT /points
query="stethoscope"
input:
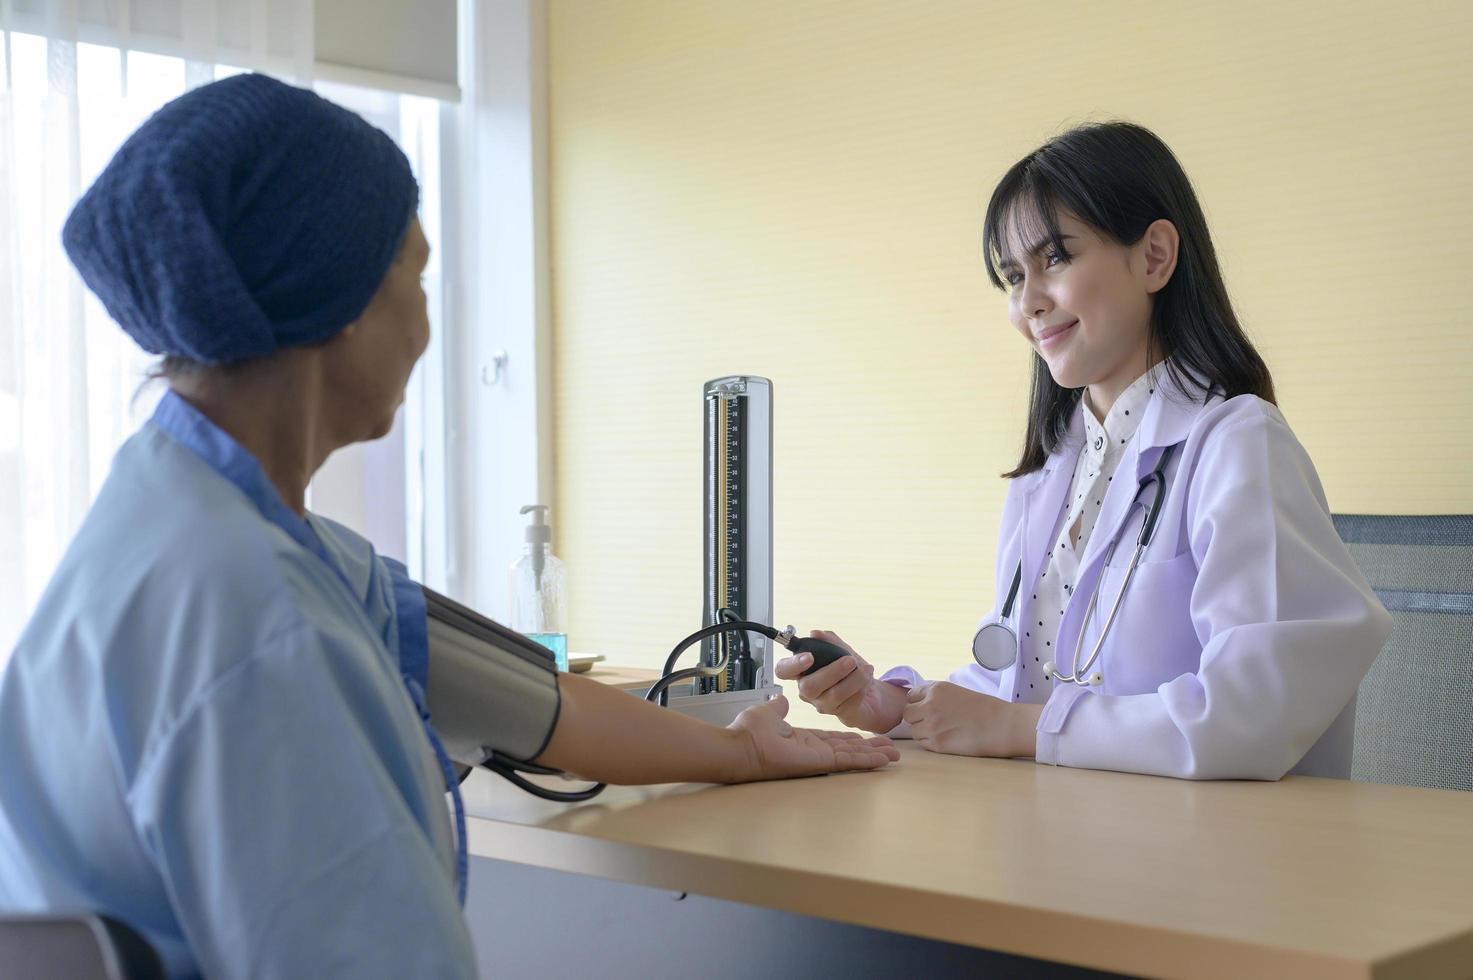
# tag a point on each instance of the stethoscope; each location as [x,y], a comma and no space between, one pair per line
[995,646]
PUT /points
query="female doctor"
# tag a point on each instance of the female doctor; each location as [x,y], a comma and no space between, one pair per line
[210,729]
[1172,595]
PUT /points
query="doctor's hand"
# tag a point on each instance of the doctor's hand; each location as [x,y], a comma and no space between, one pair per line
[945,717]
[777,750]
[846,688]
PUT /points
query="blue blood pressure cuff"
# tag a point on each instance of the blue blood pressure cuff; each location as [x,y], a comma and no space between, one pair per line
[489,688]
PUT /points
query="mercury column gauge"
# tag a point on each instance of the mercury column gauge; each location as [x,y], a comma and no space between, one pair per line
[738,546]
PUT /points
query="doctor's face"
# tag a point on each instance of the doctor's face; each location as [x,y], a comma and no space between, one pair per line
[1085,310]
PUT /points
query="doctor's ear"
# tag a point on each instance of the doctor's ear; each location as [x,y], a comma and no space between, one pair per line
[1159,247]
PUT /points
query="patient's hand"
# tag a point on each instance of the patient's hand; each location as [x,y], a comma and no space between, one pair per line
[777,750]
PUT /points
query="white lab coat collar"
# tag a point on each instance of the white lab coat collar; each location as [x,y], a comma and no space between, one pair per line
[1173,407]
[1166,418]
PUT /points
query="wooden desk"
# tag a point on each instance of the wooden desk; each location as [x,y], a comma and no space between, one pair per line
[1304,878]
[626,678]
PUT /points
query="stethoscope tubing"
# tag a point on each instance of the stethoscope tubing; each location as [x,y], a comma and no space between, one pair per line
[1080,675]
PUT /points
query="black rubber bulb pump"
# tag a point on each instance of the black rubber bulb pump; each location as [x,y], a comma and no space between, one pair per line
[824,652]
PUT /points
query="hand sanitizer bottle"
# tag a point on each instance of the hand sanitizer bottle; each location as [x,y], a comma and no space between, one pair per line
[539,585]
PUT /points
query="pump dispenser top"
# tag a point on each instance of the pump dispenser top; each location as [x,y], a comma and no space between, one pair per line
[538,535]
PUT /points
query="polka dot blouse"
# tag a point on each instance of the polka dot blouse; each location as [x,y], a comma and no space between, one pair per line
[1048,597]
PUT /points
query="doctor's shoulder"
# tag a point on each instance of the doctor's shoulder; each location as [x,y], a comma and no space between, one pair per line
[1246,441]
[1222,420]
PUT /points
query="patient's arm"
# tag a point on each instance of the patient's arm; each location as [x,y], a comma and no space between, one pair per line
[603,733]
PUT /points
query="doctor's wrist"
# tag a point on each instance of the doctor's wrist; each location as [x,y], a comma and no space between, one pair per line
[892,699]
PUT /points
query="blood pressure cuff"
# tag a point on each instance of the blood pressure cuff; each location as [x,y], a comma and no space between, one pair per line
[490,688]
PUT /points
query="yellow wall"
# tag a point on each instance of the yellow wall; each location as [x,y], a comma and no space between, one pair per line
[794,188]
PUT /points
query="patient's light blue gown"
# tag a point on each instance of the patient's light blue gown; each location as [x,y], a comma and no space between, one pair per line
[206,732]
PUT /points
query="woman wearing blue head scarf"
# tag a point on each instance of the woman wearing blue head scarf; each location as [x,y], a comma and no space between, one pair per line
[210,729]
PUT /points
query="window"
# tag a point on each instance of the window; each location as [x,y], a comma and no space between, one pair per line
[70,379]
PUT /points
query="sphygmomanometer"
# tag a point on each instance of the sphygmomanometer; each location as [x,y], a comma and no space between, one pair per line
[493,692]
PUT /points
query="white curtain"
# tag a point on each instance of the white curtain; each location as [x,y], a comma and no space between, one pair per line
[69,377]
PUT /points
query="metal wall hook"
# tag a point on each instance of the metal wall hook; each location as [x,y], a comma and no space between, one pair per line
[491,373]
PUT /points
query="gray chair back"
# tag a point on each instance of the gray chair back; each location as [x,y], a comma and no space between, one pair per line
[1414,720]
[78,947]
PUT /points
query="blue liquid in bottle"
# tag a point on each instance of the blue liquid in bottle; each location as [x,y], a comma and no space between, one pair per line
[557,643]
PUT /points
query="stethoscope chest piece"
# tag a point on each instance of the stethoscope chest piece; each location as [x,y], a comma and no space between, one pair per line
[995,646]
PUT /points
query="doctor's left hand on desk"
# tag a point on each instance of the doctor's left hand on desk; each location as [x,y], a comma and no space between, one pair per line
[946,717]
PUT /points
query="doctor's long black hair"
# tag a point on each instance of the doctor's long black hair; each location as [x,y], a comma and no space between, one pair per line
[1119,177]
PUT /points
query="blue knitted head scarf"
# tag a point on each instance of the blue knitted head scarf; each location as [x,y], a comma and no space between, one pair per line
[243,217]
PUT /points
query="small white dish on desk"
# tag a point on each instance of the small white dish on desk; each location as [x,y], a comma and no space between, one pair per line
[581,663]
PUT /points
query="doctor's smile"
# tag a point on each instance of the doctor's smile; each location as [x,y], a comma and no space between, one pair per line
[1052,336]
